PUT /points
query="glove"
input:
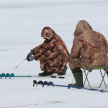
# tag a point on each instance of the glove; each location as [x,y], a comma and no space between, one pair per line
[31,58]
[29,55]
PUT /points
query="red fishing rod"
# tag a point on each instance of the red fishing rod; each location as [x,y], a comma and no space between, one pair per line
[20,64]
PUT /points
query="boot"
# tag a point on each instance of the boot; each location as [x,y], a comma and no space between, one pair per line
[64,71]
[77,73]
[45,74]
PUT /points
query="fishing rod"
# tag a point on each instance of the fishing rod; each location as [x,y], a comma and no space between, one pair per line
[20,63]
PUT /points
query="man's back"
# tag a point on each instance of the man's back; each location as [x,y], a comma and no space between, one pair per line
[94,49]
[89,47]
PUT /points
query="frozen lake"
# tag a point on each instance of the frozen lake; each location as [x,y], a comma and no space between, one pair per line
[21,22]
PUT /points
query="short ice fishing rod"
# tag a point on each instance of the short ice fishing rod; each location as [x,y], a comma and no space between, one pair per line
[20,64]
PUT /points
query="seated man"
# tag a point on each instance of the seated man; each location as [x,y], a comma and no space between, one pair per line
[52,53]
[89,50]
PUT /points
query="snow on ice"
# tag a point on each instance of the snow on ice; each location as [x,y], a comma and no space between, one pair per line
[21,22]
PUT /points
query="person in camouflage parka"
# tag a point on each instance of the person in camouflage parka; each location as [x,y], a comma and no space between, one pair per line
[89,49]
[52,53]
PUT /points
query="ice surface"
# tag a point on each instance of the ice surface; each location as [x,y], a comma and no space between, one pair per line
[21,22]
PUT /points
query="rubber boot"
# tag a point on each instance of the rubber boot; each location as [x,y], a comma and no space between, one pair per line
[77,73]
[64,71]
[45,74]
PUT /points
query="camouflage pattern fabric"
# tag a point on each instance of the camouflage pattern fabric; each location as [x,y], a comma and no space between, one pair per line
[89,48]
[52,53]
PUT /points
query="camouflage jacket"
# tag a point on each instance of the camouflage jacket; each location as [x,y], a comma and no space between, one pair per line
[52,54]
[89,48]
